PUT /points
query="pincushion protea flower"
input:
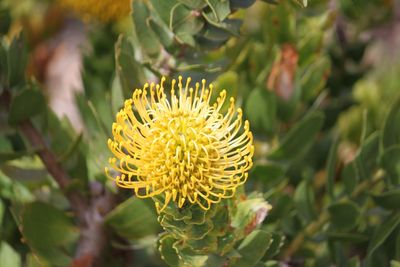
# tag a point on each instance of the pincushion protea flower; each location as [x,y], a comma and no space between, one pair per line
[104,10]
[180,147]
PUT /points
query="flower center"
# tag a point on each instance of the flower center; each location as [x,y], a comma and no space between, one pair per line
[182,154]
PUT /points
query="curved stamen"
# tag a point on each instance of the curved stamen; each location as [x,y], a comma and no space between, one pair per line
[180,147]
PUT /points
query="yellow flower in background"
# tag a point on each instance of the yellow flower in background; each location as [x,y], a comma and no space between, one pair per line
[104,10]
[180,147]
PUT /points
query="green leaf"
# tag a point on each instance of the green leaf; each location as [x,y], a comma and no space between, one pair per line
[383,231]
[201,244]
[163,33]
[23,174]
[195,228]
[390,161]
[14,190]
[18,58]
[33,261]
[13,59]
[228,81]
[26,104]
[336,249]
[299,138]
[304,201]
[354,262]
[270,173]
[190,257]
[253,248]
[397,247]
[271,263]
[344,215]
[46,225]
[117,95]
[278,241]
[221,8]
[72,148]
[309,45]
[5,20]
[314,78]
[194,4]
[389,200]
[90,116]
[163,8]
[6,156]
[185,24]
[391,127]
[5,145]
[4,73]
[49,232]
[250,212]
[130,72]
[394,263]
[241,3]
[366,159]
[101,107]
[231,26]
[146,37]
[350,177]
[347,237]
[1,211]
[59,131]
[281,24]
[331,167]
[215,34]
[133,219]
[168,253]
[281,208]
[215,260]
[261,109]
[7,152]
[273,2]
[8,256]
[302,3]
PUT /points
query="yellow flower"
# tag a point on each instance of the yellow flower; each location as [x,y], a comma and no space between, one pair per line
[104,10]
[180,147]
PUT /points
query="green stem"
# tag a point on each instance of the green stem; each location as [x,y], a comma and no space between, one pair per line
[315,226]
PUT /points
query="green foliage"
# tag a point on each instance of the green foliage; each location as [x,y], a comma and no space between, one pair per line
[325,123]
[253,248]
[48,231]
[299,138]
[195,237]
[8,256]
[124,220]
[13,58]
[261,109]
[382,232]
[26,104]
[344,215]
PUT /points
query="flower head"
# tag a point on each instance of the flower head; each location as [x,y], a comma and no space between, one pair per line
[180,147]
[104,10]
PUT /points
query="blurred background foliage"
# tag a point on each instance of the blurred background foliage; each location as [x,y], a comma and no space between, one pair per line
[317,80]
